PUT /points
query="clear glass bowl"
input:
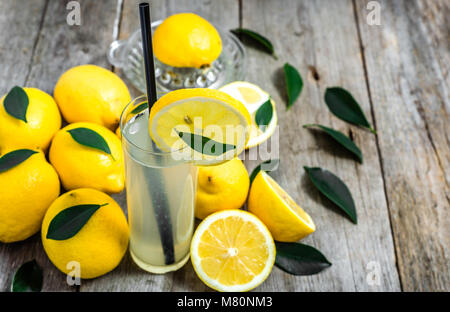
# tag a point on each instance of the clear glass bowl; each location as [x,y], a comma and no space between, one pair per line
[229,66]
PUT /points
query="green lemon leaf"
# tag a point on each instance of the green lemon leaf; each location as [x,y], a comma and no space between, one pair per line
[205,145]
[28,278]
[14,158]
[264,115]
[139,108]
[260,40]
[16,103]
[300,259]
[341,138]
[90,138]
[294,83]
[334,189]
[342,104]
[68,222]
[268,165]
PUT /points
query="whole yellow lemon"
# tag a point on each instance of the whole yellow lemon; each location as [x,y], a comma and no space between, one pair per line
[82,165]
[91,93]
[26,191]
[221,187]
[42,121]
[100,244]
[186,40]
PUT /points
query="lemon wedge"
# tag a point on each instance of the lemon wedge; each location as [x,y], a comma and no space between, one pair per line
[283,217]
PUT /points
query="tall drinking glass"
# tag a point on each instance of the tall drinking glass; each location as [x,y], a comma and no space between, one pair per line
[160,195]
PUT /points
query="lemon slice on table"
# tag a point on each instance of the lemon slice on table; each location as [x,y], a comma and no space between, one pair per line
[232,250]
[253,97]
[197,114]
[283,217]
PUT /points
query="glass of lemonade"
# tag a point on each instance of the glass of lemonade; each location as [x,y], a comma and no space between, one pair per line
[160,195]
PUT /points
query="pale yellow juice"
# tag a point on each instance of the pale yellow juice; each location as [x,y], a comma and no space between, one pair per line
[160,196]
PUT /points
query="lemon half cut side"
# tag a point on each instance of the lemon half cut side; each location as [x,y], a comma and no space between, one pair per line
[208,113]
[232,250]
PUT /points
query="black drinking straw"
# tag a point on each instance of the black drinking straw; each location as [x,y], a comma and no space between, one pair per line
[146,31]
[158,195]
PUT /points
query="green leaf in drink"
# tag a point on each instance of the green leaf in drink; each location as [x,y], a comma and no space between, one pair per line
[300,259]
[16,103]
[342,104]
[334,189]
[294,83]
[264,115]
[259,39]
[90,138]
[68,222]
[205,145]
[14,158]
[28,278]
[341,138]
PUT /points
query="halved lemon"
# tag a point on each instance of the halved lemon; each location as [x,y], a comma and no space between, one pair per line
[253,97]
[283,217]
[232,250]
[205,112]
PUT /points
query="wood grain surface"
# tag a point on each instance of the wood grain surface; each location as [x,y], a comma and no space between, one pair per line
[398,72]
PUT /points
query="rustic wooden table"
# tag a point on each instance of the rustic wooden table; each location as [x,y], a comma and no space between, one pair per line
[399,72]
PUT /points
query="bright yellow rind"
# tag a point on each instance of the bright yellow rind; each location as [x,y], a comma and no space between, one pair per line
[26,191]
[100,244]
[89,93]
[221,187]
[186,40]
[283,217]
[81,166]
[232,250]
[43,121]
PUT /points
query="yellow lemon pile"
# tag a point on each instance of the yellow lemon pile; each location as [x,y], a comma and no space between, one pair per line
[85,157]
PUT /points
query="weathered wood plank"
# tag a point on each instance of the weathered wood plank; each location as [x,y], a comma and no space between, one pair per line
[407,61]
[323,34]
[17,46]
[35,56]
[128,277]
[17,43]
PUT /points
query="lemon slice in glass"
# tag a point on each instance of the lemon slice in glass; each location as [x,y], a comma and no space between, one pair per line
[200,113]
[232,250]
[253,97]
